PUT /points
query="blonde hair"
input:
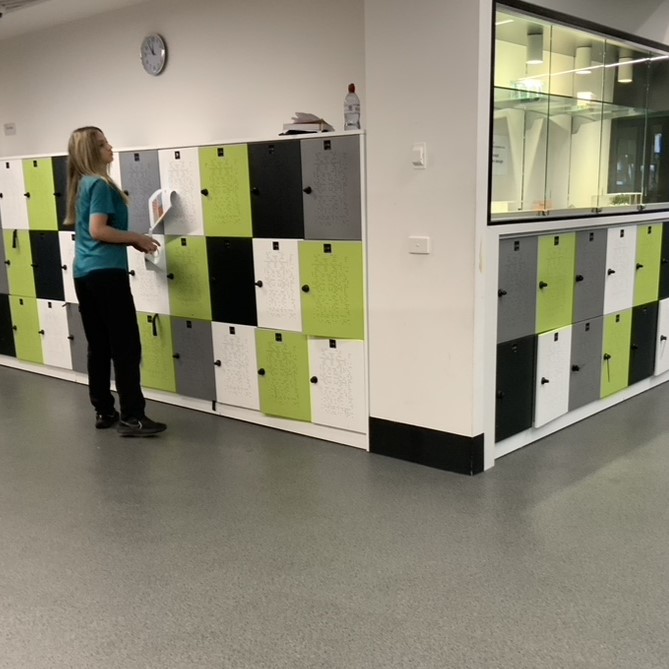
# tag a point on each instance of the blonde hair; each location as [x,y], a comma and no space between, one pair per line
[84,159]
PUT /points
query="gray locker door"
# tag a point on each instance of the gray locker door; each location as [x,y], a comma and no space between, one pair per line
[194,358]
[77,337]
[516,288]
[140,178]
[331,187]
[4,283]
[590,274]
[586,362]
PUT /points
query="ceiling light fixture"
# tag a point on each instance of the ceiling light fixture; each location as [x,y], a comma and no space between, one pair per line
[535,47]
[583,60]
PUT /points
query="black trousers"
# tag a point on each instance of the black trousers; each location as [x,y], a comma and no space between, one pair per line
[110,323]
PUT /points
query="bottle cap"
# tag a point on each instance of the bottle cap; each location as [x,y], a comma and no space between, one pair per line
[351,88]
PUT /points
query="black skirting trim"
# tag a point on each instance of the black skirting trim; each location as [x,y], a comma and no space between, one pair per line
[442,450]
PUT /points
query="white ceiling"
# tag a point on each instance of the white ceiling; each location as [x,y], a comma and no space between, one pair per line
[50,13]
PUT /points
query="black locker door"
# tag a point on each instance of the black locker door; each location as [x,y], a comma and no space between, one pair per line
[515,386]
[6,330]
[664,262]
[231,280]
[644,332]
[60,189]
[47,269]
[275,175]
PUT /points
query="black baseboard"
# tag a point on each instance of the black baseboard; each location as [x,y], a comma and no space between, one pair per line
[424,446]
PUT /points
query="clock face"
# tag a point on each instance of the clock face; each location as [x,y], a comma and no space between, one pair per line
[153,54]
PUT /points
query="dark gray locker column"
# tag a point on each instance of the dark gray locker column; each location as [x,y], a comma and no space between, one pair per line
[194,358]
[140,178]
[60,190]
[516,288]
[590,276]
[77,338]
[515,386]
[586,362]
[331,188]
[45,248]
[4,282]
[664,262]
[6,331]
[275,175]
[642,345]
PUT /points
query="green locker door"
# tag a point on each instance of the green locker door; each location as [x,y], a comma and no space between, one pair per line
[27,337]
[19,260]
[648,252]
[283,374]
[188,275]
[616,352]
[38,176]
[157,363]
[224,178]
[555,279]
[331,275]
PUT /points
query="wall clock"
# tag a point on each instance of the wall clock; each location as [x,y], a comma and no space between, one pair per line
[153,54]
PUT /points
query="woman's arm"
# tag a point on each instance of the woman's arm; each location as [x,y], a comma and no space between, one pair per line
[102,232]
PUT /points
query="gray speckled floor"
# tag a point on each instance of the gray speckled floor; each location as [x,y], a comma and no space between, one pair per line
[222,544]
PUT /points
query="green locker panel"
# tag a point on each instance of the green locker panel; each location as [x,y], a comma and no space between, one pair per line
[188,276]
[555,279]
[157,363]
[283,374]
[40,189]
[616,352]
[27,337]
[226,204]
[331,276]
[648,252]
[18,254]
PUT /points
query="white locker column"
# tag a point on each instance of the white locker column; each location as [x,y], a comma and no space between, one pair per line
[180,172]
[662,343]
[66,243]
[55,331]
[551,395]
[620,269]
[148,279]
[13,207]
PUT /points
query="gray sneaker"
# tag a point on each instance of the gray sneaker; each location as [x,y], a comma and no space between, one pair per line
[139,427]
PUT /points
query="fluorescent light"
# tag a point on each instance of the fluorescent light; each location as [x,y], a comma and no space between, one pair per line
[504,22]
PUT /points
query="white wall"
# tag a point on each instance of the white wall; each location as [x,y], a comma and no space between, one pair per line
[236,69]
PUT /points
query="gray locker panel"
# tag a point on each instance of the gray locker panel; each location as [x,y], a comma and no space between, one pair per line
[4,282]
[516,288]
[140,178]
[590,276]
[331,187]
[194,358]
[586,362]
[77,337]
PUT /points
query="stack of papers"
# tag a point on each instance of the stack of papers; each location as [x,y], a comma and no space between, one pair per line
[303,122]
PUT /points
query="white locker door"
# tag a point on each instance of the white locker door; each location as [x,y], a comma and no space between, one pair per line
[620,269]
[662,343]
[54,331]
[277,278]
[13,203]
[338,397]
[66,243]
[180,172]
[148,280]
[236,365]
[551,392]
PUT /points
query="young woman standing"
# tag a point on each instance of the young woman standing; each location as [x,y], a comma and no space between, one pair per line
[98,209]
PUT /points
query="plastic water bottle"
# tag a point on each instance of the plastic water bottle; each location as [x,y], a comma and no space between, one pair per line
[351,109]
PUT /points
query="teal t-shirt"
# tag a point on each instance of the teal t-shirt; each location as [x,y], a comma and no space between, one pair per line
[96,196]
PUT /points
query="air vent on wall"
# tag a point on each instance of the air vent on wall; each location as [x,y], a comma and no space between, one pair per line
[7,6]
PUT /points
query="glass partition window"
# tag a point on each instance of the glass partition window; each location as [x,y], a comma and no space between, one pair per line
[579,121]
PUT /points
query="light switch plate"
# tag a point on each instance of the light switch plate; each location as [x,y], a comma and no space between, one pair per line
[419,245]
[419,155]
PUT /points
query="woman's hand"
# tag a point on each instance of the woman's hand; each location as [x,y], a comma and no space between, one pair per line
[145,244]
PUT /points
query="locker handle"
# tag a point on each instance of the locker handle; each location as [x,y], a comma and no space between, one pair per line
[170,275]
[579,277]
[305,288]
[58,195]
[176,356]
[542,285]
[15,328]
[70,337]
[131,272]
[575,368]
[663,338]
[2,195]
[205,192]
[217,363]
[607,356]
[40,332]
[154,325]
[501,292]
[34,264]
[126,193]
[15,239]
[610,271]
[308,190]
[26,195]
[664,261]
[63,266]
[500,395]
[544,380]
[259,284]
[634,347]
[314,379]
[261,372]
[639,265]
[8,262]
[255,191]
